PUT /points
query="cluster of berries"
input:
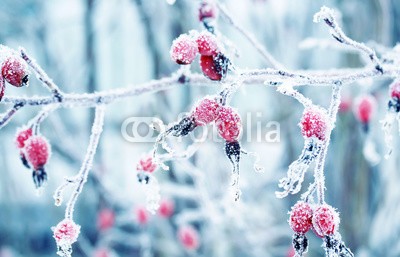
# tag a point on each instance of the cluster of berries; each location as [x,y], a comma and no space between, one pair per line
[213,62]
[323,220]
[166,210]
[14,70]
[34,152]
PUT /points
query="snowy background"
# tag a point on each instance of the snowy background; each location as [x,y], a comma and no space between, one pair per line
[93,45]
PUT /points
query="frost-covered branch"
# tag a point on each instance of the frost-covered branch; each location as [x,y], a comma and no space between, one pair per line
[327,15]
[42,75]
[82,176]
[7,116]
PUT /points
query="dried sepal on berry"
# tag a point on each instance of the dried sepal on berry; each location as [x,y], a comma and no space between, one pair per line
[189,237]
[15,71]
[334,246]
[291,184]
[300,244]
[205,111]
[325,220]
[183,50]
[65,233]
[232,151]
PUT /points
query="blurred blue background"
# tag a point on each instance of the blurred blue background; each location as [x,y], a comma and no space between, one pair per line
[94,45]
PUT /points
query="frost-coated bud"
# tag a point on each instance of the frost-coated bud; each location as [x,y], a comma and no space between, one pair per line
[65,233]
[167,208]
[207,43]
[301,217]
[189,237]
[146,164]
[15,71]
[22,136]
[142,215]
[214,67]
[314,123]
[105,219]
[183,49]
[207,10]
[229,123]
[394,90]
[364,108]
[37,151]
[325,220]
[205,111]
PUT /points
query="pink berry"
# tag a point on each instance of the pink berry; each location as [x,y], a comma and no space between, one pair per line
[229,123]
[188,237]
[345,104]
[207,10]
[183,49]
[214,67]
[364,108]
[301,217]
[205,111]
[394,90]
[325,220]
[207,43]
[142,216]
[105,219]
[314,123]
[66,232]
[146,164]
[166,208]
[22,136]
[102,252]
[37,151]
[15,71]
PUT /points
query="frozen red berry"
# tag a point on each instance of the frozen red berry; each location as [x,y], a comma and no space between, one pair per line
[189,237]
[345,105]
[314,123]
[205,111]
[301,217]
[207,43]
[166,208]
[37,151]
[394,90]
[146,164]
[23,135]
[229,123]
[66,232]
[142,215]
[214,67]
[105,219]
[207,9]
[325,220]
[15,71]
[183,49]
[364,108]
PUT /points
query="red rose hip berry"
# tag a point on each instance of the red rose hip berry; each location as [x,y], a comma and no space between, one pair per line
[205,111]
[183,49]
[229,123]
[22,136]
[207,10]
[15,71]
[364,108]
[325,220]
[207,43]
[314,123]
[188,237]
[214,67]
[301,217]
[37,151]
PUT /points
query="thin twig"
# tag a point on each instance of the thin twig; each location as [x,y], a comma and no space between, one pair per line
[82,176]
[7,116]
[264,53]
